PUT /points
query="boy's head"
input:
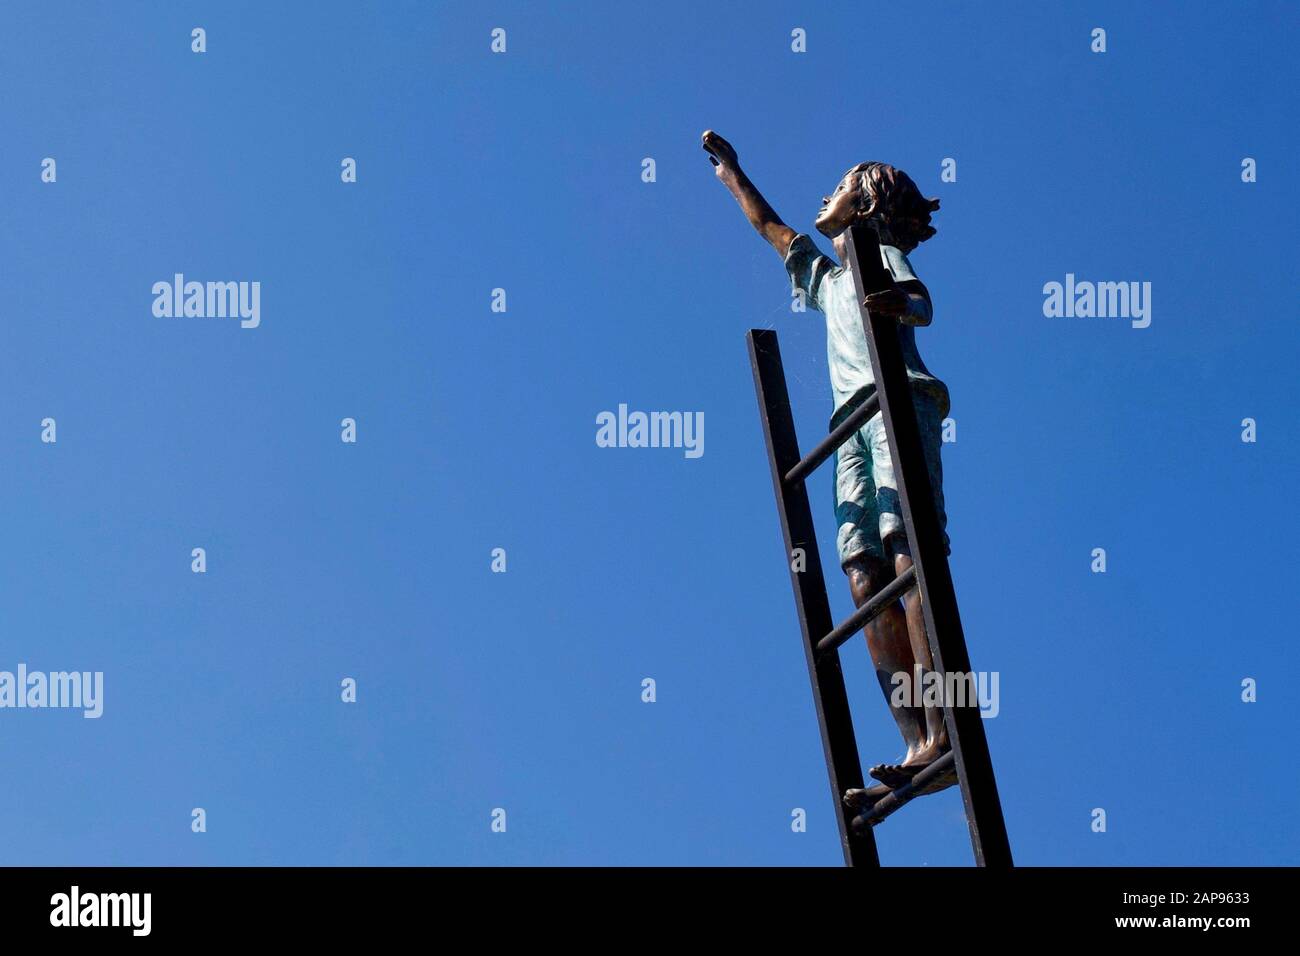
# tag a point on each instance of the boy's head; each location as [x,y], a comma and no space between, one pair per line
[885,196]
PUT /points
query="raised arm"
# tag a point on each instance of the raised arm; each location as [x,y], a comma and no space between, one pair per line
[760,215]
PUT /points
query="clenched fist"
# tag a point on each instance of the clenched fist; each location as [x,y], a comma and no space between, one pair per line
[721,153]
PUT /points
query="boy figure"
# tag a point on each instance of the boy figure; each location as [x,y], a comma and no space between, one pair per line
[872,541]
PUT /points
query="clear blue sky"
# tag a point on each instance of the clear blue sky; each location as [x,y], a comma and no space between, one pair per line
[476,429]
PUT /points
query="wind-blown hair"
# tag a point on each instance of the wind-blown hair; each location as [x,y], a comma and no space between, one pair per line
[895,205]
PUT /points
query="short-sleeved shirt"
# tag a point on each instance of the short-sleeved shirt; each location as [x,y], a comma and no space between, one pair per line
[829,289]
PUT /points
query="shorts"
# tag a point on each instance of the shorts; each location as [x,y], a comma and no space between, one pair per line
[867,509]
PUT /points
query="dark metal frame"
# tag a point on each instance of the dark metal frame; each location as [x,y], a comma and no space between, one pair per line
[929,572]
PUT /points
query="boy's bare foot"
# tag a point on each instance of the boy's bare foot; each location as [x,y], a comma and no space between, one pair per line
[895,775]
[867,797]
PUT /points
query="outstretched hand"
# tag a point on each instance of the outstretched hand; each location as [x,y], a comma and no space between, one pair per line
[721,153]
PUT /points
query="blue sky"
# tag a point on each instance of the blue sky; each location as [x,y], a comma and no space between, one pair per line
[476,429]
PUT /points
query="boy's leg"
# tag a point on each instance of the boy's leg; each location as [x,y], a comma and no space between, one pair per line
[936,732]
[889,643]
[863,559]
[929,415]
[890,646]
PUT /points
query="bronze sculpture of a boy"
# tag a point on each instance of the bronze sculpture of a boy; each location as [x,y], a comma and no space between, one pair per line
[871,539]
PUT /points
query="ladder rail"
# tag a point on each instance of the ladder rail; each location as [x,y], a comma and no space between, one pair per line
[833,716]
[965,725]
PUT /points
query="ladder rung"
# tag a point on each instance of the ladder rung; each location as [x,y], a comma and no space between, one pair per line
[906,793]
[859,618]
[813,460]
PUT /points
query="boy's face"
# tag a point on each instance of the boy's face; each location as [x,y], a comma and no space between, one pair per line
[840,208]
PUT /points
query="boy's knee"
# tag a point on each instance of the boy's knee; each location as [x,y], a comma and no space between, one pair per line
[867,574]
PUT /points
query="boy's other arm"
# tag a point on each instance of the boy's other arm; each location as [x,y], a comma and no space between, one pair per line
[907,301]
[760,215]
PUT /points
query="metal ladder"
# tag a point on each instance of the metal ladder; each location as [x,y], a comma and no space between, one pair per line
[929,573]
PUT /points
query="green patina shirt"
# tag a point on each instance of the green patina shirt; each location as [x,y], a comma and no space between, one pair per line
[829,289]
